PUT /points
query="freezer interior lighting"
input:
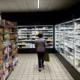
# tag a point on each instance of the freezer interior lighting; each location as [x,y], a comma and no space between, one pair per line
[38,4]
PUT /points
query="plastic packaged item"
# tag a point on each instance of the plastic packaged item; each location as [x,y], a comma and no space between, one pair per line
[1,61]
[6,36]
[1,37]
[6,30]
[1,45]
[5,73]
[1,54]
[1,72]
[1,30]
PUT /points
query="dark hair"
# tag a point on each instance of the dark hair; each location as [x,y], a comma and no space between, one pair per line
[40,35]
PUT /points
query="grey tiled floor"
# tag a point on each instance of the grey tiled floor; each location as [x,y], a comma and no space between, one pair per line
[27,69]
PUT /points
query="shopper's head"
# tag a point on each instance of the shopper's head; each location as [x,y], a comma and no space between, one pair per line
[40,35]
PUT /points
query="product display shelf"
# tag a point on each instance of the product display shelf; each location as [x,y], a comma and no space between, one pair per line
[28,34]
[69,43]
[8,48]
[77,43]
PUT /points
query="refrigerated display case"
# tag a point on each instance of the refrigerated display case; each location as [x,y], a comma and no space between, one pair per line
[28,34]
[77,43]
[68,42]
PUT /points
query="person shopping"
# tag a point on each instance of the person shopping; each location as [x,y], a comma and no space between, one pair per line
[40,45]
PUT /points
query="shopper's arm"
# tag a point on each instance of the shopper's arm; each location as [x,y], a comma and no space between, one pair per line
[46,44]
[35,44]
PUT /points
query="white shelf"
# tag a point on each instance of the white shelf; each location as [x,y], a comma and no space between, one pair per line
[56,31]
[69,28]
[69,46]
[47,37]
[71,36]
[27,29]
[77,57]
[77,38]
[50,31]
[50,42]
[69,52]
[57,43]
[77,28]
[21,44]
[50,47]
[78,50]
[68,42]
[61,47]
[26,40]
[77,44]
[26,34]
[44,29]
[36,30]
[25,48]
[48,34]
[34,34]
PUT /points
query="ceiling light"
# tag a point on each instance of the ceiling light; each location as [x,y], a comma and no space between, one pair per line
[38,4]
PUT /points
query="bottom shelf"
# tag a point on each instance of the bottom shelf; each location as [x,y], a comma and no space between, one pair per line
[7,68]
[33,50]
[8,75]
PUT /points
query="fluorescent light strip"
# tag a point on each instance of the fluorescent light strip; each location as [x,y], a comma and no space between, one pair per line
[38,4]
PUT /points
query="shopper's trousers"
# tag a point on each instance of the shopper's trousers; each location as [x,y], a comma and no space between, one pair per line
[40,61]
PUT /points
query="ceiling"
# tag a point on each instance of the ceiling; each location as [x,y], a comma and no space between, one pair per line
[31,5]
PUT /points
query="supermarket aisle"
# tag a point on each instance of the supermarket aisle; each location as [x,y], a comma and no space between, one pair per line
[27,69]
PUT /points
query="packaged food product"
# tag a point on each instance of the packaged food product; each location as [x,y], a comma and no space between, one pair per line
[6,73]
[49,39]
[14,30]
[3,22]
[1,61]
[1,45]
[7,22]
[1,37]
[14,23]
[10,61]
[7,36]
[1,53]
[6,30]
[1,72]
[1,30]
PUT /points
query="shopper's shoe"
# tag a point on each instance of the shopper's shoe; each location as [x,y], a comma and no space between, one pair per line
[39,69]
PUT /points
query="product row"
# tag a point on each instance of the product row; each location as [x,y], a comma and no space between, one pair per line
[32,45]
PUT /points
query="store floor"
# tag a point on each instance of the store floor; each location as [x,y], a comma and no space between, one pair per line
[27,69]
